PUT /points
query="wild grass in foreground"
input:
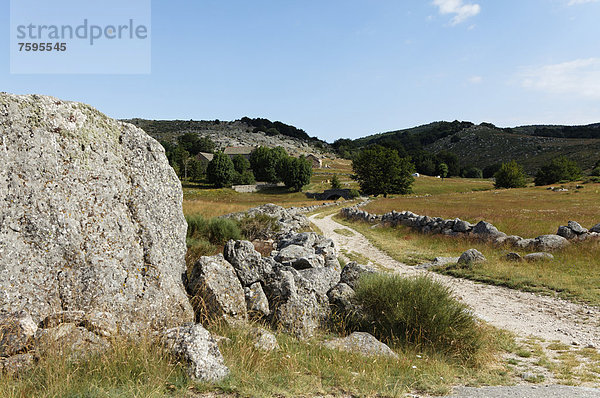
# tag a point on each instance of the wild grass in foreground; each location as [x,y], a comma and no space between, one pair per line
[573,274]
[128,369]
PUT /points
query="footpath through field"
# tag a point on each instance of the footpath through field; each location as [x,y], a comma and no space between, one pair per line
[523,313]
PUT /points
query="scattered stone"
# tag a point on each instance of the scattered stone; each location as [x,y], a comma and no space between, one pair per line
[340,297]
[352,272]
[199,350]
[256,301]
[548,243]
[92,217]
[566,232]
[471,257]
[321,280]
[535,257]
[215,289]
[16,330]
[361,343]
[287,220]
[595,228]
[577,228]
[515,257]
[487,231]
[461,226]
[263,339]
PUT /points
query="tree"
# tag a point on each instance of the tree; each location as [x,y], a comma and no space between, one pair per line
[380,170]
[510,175]
[443,170]
[335,182]
[559,169]
[196,169]
[596,170]
[240,163]
[194,144]
[451,161]
[220,171]
[296,173]
[267,163]
[472,172]
[489,171]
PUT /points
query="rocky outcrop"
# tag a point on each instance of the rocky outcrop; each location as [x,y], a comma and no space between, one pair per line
[483,231]
[216,290]
[91,217]
[352,272]
[361,343]
[195,346]
[263,339]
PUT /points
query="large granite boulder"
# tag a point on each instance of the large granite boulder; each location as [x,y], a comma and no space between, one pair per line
[90,217]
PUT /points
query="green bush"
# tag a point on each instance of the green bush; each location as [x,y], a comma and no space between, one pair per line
[473,172]
[596,172]
[353,194]
[296,173]
[559,169]
[217,231]
[510,175]
[220,171]
[418,311]
[221,230]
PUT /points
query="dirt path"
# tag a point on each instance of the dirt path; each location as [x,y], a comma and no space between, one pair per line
[525,314]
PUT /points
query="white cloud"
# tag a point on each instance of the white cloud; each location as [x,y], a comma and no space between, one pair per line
[462,11]
[580,78]
[475,79]
[576,2]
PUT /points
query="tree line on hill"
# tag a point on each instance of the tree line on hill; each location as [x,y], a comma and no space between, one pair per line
[265,164]
[380,170]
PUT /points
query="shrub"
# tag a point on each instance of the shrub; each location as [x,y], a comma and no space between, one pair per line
[559,169]
[335,182]
[260,226]
[419,311]
[489,171]
[220,171]
[353,194]
[473,172]
[245,178]
[510,175]
[596,172]
[221,230]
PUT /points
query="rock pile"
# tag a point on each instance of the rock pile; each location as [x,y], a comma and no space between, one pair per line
[287,219]
[289,287]
[574,231]
[482,231]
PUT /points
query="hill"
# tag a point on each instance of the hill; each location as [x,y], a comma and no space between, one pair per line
[485,144]
[243,132]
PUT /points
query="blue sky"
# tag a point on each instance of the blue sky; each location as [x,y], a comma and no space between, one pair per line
[354,67]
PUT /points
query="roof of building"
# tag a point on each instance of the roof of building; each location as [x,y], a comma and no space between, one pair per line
[238,150]
[207,156]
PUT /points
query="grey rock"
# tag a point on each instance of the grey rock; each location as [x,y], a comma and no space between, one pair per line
[215,288]
[595,228]
[287,220]
[487,231]
[471,257]
[361,343]
[195,345]
[296,307]
[102,323]
[566,232]
[515,257]
[68,338]
[512,240]
[16,331]
[352,272]
[264,340]
[547,243]
[16,364]
[304,239]
[321,279]
[256,301]
[249,265]
[341,298]
[535,257]
[299,256]
[577,228]
[461,226]
[91,216]
[525,243]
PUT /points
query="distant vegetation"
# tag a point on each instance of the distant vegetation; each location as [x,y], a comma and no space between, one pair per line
[381,171]
[559,169]
[510,175]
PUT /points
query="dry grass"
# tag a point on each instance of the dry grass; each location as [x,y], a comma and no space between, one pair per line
[217,202]
[573,274]
[528,212]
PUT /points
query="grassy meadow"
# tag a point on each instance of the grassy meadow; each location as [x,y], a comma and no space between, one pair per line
[527,212]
